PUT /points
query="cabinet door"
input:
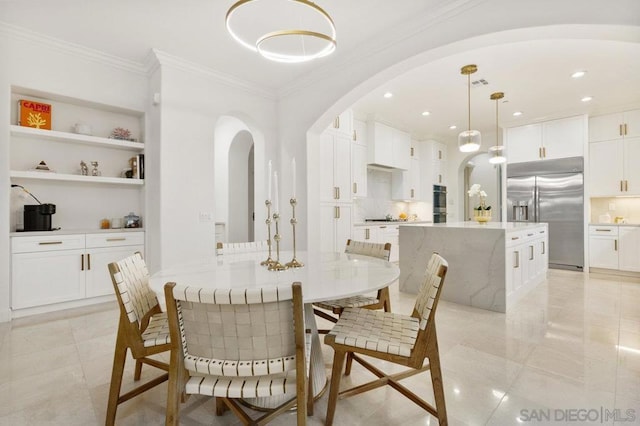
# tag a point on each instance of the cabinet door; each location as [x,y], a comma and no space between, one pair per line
[342,167]
[514,265]
[632,120]
[605,127]
[47,277]
[524,143]
[416,182]
[342,227]
[564,138]
[391,234]
[98,279]
[605,168]
[345,123]
[360,133]
[603,252]
[359,169]
[401,149]
[631,168]
[629,253]
[328,217]
[364,233]
[328,190]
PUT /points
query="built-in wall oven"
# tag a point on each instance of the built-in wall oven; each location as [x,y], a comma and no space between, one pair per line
[439,204]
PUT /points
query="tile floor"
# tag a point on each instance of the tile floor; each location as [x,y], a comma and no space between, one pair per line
[572,344]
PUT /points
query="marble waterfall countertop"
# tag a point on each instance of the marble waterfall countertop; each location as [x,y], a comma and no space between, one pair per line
[486,261]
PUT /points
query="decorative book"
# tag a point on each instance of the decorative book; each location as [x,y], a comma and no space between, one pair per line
[34,114]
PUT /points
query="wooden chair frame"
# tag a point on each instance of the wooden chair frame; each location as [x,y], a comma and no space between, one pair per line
[129,337]
[426,347]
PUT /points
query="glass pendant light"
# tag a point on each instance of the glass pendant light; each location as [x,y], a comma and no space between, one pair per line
[469,140]
[496,152]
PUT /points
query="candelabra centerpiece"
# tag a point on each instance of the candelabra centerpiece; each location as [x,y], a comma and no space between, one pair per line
[295,263]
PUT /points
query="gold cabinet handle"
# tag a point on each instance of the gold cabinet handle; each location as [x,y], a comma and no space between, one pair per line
[602,230]
[544,152]
[412,151]
[49,243]
[355,135]
[355,187]
[615,245]
[539,152]
[88,261]
[620,132]
[516,259]
[439,154]
[439,178]
[338,188]
[383,227]
[544,248]
[82,262]
[335,192]
[515,238]
[626,183]
[116,239]
[366,234]
[530,252]
[412,193]
[625,129]
[529,235]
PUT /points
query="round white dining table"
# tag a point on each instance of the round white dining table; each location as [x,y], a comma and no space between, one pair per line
[324,276]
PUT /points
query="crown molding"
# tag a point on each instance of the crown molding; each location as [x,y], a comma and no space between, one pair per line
[23,34]
[158,58]
[385,42]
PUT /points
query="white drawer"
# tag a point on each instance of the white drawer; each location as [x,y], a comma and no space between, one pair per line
[46,243]
[604,230]
[115,239]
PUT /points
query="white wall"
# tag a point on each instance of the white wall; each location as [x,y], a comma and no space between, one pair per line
[196,109]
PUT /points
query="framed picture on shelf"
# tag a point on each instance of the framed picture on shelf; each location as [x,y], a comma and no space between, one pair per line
[34,114]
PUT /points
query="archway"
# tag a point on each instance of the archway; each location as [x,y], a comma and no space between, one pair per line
[239,156]
[478,170]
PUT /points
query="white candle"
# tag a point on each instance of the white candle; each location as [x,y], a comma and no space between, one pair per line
[293,171]
[276,205]
[269,181]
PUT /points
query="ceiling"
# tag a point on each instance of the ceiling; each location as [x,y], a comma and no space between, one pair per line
[535,76]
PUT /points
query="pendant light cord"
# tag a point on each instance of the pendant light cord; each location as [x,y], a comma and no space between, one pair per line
[469,101]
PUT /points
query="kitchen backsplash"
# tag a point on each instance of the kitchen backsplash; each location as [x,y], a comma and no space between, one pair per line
[378,202]
[627,208]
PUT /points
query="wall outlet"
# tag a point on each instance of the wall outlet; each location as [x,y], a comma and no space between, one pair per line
[206,217]
[612,207]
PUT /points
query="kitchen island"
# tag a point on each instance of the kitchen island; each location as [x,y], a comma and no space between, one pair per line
[491,266]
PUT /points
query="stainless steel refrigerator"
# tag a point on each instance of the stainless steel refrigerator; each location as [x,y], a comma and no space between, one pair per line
[551,191]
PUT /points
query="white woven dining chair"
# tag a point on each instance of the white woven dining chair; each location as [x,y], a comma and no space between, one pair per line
[381,300]
[142,329]
[238,343]
[400,339]
[244,247]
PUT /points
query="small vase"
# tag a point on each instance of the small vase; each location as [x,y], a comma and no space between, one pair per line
[482,216]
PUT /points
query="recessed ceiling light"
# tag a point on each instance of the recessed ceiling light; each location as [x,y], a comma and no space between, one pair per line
[578,74]
[517,113]
[425,113]
[453,127]
[586,99]
[388,95]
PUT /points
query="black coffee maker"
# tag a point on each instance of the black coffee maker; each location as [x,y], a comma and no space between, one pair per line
[37,217]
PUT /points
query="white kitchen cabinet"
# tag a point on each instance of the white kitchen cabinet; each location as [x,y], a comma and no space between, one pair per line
[406,185]
[388,147]
[613,167]
[434,162]
[367,234]
[603,247]
[613,152]
[50,269]
[45,277]
[102,249]
[614,126]
[547,140]
[335,167]
[359,161]
[335,227]
[527,259]
[629,252]
[391,234]
[343,123]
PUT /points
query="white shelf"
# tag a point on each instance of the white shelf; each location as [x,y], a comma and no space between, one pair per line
[75,138]
[74,178]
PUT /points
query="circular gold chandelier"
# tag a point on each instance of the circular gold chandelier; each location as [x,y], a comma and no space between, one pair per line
[287,31]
